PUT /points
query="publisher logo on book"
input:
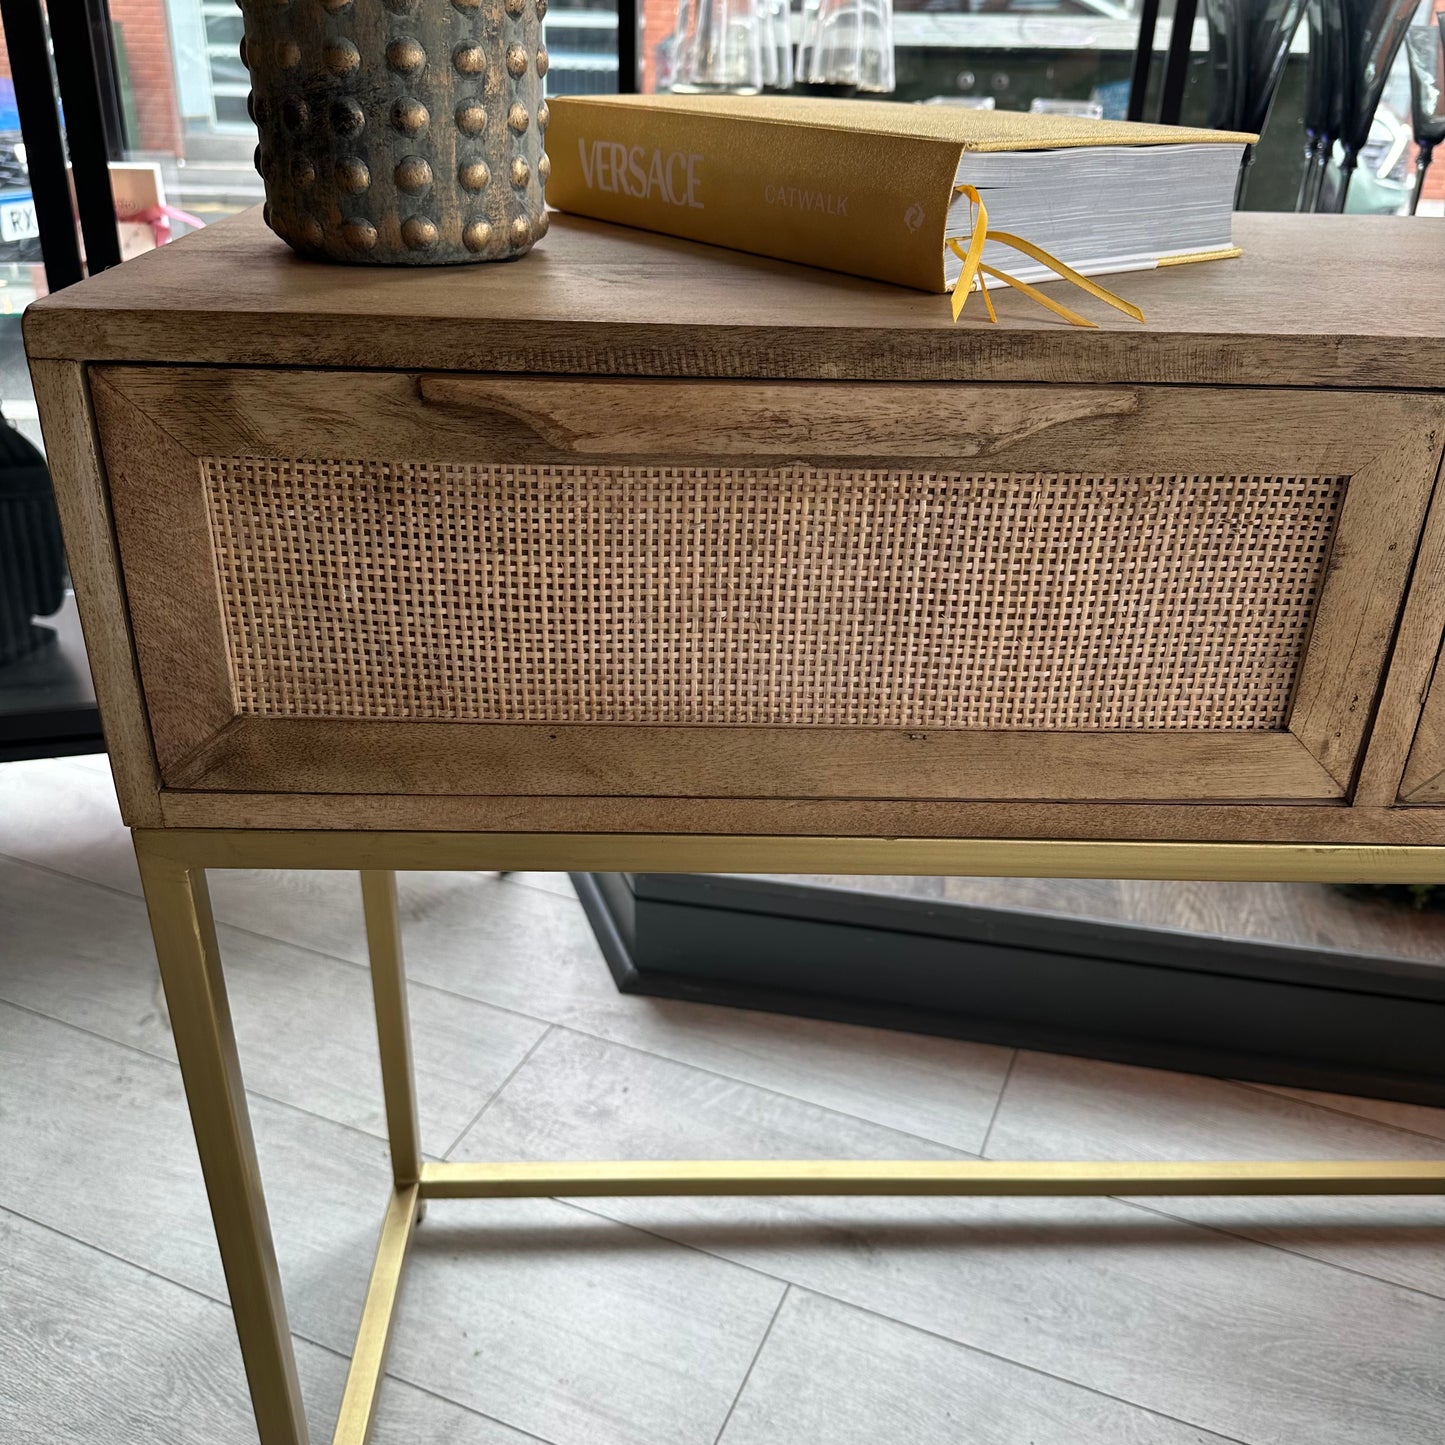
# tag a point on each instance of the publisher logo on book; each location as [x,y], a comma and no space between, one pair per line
[913,217]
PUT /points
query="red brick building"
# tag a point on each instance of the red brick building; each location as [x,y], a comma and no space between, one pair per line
[143,38]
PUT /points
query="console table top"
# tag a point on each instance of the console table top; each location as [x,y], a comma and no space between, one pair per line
[1315,300]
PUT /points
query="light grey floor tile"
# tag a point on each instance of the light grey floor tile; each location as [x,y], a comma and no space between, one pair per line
[62,815]
[109,1160]
[305,1023]
[97,762]
[1188,1322]
[939,1089]
[98,1352]
[576,1329]
[836,1374]
[535,953]
[1058,1107]
[554,1316]
[576,1094]
[1417,1118]
[528,948]
[558,883]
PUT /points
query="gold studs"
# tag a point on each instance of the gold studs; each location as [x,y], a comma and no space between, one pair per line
[465,5]
[544,115]
[410,116]
[241,51]
[405,56]
[521,230]
[420,233]
[544,168]
[473,175]
[469,60]
[359,234]
[515,7]
[252,109]
[295,113]
[337,6]
[541,8]
[288,54]
[521,172]
[311,233]
[471,117]
[347,117]
[303,172]
[476,235]
[340,57]
[517,117]
[413,175]
[542,61]
[259,161]
[542,226]
[352,175]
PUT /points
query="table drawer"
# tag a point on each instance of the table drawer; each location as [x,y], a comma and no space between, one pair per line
[388,583]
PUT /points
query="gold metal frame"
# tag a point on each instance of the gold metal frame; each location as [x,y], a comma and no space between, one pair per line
[173,865]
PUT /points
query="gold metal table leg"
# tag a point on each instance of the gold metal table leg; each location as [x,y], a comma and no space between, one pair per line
[186,945]
[373,1337]
[393,1028]
[185,939]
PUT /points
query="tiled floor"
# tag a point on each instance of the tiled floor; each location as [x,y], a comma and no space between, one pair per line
[629,1322]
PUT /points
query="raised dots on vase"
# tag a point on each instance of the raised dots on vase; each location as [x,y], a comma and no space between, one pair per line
[402,132]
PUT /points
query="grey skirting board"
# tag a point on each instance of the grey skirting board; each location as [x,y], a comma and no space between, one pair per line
[1245,1009]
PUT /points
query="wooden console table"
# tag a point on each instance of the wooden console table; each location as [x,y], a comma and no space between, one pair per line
[636,555]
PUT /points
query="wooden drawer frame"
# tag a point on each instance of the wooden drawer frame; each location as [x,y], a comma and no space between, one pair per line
[156,424]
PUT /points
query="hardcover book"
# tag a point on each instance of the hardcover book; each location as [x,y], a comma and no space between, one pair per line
[870,187]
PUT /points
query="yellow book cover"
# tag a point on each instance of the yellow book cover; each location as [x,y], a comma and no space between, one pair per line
[864,187]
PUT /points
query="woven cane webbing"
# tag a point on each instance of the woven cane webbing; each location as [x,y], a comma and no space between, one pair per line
[789,596]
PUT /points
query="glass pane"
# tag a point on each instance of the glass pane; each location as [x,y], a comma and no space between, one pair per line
[224,28]
[45,692]
[582,48]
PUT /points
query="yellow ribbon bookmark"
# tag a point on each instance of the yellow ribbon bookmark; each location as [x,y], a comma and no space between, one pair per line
[974,270]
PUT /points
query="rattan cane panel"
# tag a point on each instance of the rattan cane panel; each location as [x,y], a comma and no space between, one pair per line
[792,596]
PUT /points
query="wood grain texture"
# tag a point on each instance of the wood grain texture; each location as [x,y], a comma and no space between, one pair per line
[784,817]
[314,756]
[1424,779]
[164,537]
[427,416]
[600,299]
[1407,679]
[1354,627]
[1141,430]
[73,455]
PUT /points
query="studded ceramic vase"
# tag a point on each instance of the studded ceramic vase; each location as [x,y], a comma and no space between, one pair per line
[400,132]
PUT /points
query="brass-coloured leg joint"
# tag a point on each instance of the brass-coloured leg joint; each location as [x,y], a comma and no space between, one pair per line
[373,1336]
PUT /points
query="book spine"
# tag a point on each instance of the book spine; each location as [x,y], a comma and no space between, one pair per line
[870,205]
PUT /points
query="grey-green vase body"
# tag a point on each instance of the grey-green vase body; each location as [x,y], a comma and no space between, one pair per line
[400,132]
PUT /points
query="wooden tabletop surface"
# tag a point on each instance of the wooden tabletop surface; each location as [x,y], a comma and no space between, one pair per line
[1334,300]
